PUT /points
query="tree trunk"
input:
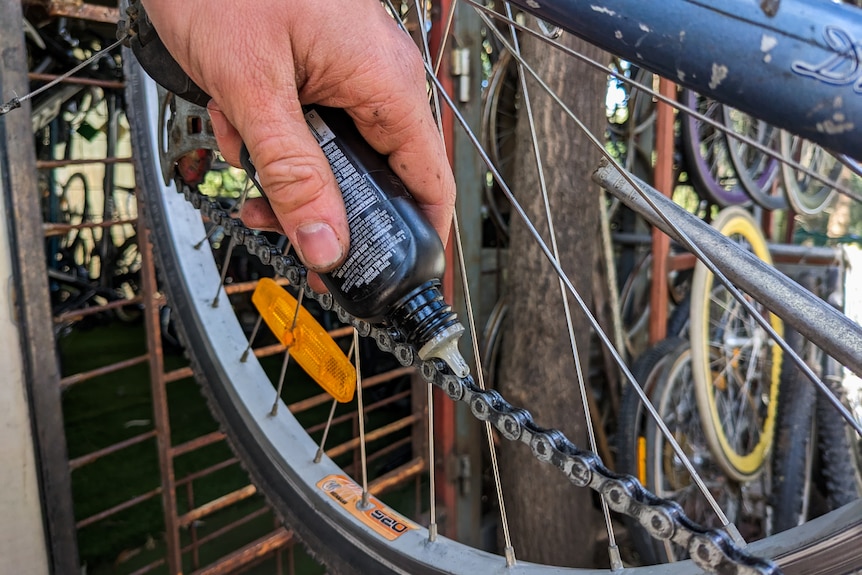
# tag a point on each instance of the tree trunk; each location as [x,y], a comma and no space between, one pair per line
[538,371]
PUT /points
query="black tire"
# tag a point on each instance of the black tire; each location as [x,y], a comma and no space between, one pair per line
[793,450]
[630,436]
[836,444]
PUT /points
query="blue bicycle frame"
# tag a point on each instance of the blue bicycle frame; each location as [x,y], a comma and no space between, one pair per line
[796,64]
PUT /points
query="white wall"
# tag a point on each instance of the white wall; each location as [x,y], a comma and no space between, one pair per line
[22,539]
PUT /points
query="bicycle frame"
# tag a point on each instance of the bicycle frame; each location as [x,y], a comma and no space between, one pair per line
[796,64]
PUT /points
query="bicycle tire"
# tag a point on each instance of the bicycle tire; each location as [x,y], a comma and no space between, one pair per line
[806,195]
[276,451]
[708,154]
[756,170]
[675,401]
[792,463]
[712,312]
[838,460]
[630,441]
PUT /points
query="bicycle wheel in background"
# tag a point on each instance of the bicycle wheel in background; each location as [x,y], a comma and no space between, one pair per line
[708,154]
[793,462]
[735,365]
[630,439]
[756,170]
[500,104]
[814,465]
[807,195]
[675,400]
[275,449]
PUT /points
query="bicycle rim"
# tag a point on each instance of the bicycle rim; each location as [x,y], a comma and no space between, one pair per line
[709,154]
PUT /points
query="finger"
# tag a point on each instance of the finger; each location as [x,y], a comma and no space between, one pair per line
[257,214]
[316,283]
[301,189]
[228,138]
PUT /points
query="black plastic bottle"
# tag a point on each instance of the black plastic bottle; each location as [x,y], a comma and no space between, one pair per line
[392,270]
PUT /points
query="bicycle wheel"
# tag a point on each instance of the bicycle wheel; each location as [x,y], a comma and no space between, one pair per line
[794,446]
[735,366]
[756,170]
[500,104]
[675,399]
[276,450]
[807,195]
[708,154]
[631,438]
[839,462]
[814,465]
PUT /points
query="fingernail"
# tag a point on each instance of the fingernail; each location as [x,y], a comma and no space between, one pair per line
[318,246]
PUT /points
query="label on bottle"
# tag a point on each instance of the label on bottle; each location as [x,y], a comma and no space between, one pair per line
[375,234]
[318,127]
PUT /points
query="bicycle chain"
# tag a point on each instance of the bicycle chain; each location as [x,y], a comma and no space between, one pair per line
[711,549]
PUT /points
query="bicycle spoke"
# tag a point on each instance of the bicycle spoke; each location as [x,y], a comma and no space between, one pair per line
[255,330]
[447,30]
[509,550]
[251,338]
[15,102]
[210,233]
[432,491]
[668,221]
[613,550]
[432,484]
[361,420]
[805,169]
[230,247]
[319,455]
[286,361]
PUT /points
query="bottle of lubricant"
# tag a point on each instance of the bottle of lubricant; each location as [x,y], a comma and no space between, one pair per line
[393,267]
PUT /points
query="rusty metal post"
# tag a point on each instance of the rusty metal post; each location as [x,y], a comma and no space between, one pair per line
[160,398]
[664,182]
[443,423]
[457,434]
[32,304]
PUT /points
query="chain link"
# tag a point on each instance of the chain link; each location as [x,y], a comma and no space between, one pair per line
[712,550]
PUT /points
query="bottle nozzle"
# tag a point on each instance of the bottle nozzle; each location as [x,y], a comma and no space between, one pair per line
[444,345]
[431,325]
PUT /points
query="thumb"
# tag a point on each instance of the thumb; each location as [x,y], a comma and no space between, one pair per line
[299,184]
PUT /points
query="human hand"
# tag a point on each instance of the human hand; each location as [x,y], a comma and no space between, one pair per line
[260,61]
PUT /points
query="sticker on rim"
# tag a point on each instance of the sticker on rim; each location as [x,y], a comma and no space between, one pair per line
[382,519]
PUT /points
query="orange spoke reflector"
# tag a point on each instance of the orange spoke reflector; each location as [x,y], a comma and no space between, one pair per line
[309,344]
